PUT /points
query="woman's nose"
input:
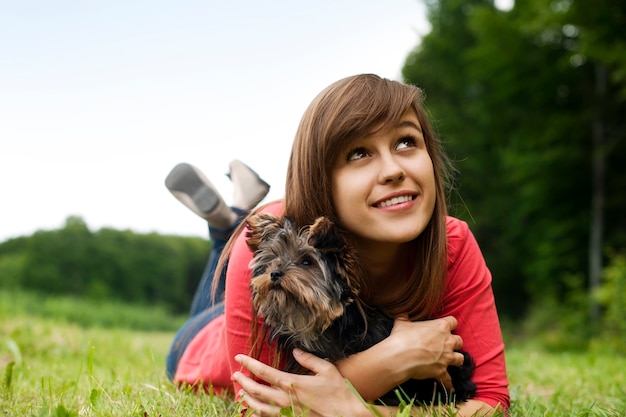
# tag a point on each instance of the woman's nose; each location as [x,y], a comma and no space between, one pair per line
[390,171]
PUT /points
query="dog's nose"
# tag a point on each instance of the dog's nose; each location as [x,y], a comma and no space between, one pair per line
[275,276]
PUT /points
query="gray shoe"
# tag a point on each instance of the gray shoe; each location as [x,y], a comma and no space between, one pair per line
[192,188]
[249,187]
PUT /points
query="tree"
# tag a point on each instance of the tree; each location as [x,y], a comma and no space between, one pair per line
[108,263]
[513,94]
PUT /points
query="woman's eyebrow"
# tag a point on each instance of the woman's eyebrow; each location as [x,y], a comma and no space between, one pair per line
[409,123]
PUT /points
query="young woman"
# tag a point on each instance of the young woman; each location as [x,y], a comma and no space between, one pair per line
[365,156]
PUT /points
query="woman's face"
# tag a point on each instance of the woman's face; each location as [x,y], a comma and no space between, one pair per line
[384,185]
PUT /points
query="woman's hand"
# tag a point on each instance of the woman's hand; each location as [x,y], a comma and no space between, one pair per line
[413,350]
[324,393]
[427,348]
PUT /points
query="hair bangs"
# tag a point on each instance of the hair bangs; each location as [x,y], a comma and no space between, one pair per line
[366,106]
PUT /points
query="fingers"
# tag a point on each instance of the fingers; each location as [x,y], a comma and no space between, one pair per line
[311,362]
[456,359]
[259,408]
[267,373]
[456,342]
[264,400]
[459,359]
[285,390]
[450,323]
[282,379]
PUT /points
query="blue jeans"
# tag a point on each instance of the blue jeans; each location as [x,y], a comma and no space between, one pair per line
[204,307]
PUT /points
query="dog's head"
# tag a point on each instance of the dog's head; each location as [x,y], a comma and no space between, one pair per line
[303,278]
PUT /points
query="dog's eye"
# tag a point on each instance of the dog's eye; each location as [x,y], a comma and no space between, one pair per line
[306,262]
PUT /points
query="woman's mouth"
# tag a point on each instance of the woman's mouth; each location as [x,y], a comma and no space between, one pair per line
[394,201]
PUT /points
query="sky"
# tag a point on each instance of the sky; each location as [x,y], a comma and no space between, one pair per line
[100,99]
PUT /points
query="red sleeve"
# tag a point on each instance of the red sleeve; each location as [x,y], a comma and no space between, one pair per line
[469,298]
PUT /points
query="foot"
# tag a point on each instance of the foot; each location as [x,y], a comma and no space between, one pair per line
[249,188]
[192,188]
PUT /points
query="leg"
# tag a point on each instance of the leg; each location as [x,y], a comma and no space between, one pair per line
[203,297]
[205,306]
[190,186]
[196,192]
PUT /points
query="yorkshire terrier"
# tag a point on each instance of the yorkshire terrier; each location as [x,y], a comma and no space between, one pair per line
[305,286]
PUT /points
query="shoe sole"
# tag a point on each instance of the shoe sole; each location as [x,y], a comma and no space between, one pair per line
[185,180]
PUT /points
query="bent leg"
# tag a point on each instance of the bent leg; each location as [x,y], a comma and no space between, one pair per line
[204,297]
[194,190]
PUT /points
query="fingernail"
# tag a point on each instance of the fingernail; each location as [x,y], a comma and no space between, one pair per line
[297,351]
[238,358]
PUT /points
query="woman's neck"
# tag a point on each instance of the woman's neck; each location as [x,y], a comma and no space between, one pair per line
[386,266]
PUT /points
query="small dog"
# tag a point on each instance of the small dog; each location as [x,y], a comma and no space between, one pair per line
[306,284]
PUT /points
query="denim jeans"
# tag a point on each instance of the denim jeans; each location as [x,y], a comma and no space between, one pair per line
[204,307]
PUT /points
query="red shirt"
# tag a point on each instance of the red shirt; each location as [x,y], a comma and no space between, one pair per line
[209,358]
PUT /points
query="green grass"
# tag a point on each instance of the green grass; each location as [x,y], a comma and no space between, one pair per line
[51,366]
[88,313]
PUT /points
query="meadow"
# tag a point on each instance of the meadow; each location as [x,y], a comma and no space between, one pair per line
[66,357]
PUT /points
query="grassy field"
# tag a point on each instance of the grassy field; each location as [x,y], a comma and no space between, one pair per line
[52,366]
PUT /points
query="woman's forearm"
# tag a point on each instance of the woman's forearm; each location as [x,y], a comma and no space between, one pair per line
[417,350]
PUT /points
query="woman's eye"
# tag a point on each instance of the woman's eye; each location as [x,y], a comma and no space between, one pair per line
[357,153]
[407,142]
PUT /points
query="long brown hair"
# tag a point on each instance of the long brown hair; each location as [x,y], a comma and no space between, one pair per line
[351,108]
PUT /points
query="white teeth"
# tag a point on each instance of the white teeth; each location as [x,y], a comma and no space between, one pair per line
[396,200]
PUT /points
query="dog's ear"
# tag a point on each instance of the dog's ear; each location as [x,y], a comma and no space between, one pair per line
[261,227]
[324,235]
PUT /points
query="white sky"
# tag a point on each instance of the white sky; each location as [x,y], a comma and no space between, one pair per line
[100,99]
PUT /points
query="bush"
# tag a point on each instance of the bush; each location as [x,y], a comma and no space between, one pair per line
[612,298]
[557,323]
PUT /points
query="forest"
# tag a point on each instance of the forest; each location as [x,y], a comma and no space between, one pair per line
[530,104]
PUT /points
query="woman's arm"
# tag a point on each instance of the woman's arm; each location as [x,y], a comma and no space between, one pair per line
[421,350]
[413,350]
[417,350]
[325,393]
[469,298]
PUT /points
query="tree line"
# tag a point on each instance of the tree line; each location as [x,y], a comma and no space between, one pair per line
[105,264]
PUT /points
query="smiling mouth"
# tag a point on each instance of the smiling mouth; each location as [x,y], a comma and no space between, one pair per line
[395,200]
